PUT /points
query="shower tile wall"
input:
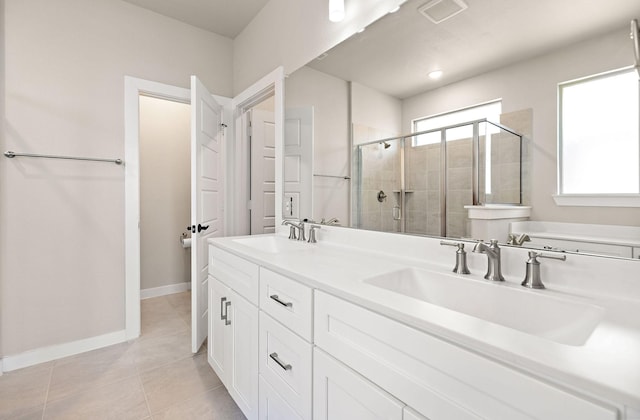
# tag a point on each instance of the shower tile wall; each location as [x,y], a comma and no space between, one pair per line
[522,122]
[422,210]
[459,186]
[380,172]
[423,188]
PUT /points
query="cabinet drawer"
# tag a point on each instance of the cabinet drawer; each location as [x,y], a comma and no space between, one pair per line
[288,301]
[273,406]
[286,364]
[237,273]
[340,393]
[436,378]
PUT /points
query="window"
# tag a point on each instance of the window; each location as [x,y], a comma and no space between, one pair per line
[489,110]
[598,135]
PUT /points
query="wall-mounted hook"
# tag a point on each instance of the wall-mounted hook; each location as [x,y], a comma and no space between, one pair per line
[382,196]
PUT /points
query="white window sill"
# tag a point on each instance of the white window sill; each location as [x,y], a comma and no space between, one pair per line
[598,200]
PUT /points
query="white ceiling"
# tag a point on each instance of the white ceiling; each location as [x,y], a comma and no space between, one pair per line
[223,17]
[395,54]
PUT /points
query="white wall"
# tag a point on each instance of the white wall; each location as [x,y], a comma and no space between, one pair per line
[290,33]
[329,97]
[374,115]
[165,192]
[62,222]
[533,84]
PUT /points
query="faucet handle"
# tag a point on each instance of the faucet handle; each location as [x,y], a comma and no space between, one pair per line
[550,256]
[532,276]
[461,257]
[312,233]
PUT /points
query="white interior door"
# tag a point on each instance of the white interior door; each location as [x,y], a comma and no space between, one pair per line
[207,204]
[298,164]
[263,172]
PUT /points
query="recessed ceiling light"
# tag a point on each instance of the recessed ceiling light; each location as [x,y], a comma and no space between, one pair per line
[436,74]
[394,10]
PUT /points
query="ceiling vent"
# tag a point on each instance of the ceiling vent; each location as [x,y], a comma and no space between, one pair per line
[440,10]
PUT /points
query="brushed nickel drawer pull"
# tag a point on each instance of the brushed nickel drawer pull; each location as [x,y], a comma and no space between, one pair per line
[275,358]
[227,321]
[223,316]
[277,299]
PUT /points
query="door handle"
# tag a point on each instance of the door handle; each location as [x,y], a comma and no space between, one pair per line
[202,227]
[191,228]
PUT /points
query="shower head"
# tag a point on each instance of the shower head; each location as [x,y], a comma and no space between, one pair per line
[386,145]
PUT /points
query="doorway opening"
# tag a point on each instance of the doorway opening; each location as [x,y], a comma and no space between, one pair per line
[165,210]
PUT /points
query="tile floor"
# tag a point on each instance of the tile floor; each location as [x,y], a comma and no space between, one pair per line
[155,377]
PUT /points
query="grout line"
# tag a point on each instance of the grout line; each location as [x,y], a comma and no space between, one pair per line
[144,393]
[46,395]
[189,398]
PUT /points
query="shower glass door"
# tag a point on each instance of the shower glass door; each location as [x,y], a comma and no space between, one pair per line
[380,185]
[423,180]
[459,179]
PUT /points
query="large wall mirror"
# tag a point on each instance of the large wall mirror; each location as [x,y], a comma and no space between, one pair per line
[359,103]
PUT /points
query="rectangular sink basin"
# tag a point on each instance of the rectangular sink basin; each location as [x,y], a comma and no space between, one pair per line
[564,321]
[272,244]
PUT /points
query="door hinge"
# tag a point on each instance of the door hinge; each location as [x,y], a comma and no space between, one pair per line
[249,205]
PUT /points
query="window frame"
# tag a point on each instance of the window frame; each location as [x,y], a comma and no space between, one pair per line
[415,121]
[590,199]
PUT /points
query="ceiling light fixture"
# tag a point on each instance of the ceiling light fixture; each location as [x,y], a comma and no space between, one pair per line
[436,74]
[336,10]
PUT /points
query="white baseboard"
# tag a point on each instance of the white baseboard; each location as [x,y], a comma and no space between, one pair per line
[58,351]
[164,290]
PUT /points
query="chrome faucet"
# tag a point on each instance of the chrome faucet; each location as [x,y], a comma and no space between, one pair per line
[518,239]
[493,255]
[292,230]
[332,221]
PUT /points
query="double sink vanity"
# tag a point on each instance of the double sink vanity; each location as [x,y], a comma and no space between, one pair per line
[366,325]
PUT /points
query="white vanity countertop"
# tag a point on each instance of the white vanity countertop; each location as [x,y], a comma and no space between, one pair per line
[607,365]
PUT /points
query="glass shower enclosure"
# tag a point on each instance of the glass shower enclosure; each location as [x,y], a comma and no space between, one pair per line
[420,183]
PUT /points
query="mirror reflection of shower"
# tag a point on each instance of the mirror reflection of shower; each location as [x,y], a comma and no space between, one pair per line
[433,174]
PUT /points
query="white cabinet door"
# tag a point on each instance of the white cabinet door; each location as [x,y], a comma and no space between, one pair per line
[233,345]
[409,414]
[242,385]
[217,346]
[273,406]
[340,393]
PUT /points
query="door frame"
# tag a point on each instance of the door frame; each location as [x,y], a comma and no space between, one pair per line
[270,85]
[133,88]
